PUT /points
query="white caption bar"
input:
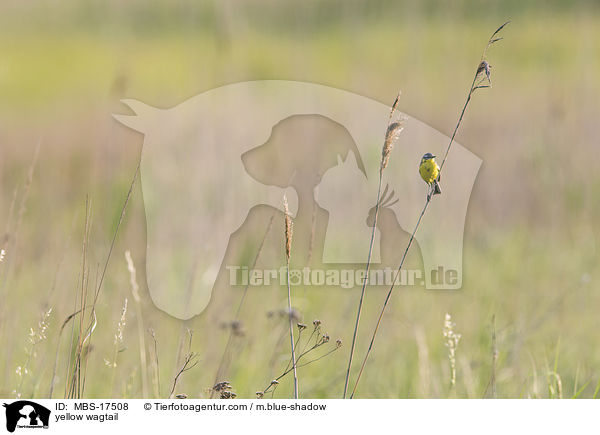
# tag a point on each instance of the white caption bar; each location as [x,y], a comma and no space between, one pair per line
[298,416]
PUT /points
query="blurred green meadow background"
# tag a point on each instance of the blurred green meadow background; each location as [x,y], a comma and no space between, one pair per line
[530,246]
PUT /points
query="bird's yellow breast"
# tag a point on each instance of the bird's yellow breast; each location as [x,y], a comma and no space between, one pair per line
[429,170]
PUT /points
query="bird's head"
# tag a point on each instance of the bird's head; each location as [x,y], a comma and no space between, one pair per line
[427,156]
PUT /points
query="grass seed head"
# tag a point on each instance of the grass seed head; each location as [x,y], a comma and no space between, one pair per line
[393,131]
[289,229]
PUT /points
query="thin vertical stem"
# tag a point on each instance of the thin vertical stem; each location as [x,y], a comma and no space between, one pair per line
[389,294]
[494,357]
[391,134]
[362,293]
[292,330]
[289,229]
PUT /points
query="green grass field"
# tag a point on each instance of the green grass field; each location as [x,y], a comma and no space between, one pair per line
[531,239]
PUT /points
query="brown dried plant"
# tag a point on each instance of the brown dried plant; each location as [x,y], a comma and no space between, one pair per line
[316,340]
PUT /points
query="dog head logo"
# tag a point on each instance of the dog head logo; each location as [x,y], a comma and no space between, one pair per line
[26,414]
[199,181]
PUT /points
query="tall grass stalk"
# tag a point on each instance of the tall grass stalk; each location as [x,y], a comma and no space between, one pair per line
[190,360]
[156,366]
[75,382]
[36,336]
[74,387]
[451,339]
[135,291]
[118,342]
[393,130]
[494,358]
[481,74]
[288,250]
[56,355]
[9,243]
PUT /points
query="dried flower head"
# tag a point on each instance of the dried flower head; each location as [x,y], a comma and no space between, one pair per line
[39,334]
[274,382]
[260,394]
[338,342]
[121,325]
[222,386]
[301,326]
[485,67]
[294,314]
[317,323]
[227,395]
[237,328]
[20,371]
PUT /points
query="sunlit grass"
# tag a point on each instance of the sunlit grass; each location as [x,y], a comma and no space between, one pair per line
[530,254]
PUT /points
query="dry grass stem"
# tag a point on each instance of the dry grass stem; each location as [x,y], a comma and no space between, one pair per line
[118,343]
[190,360]
[316,340]
[139,320]
[474,86]
[393,130]
[288,250]
[156,378]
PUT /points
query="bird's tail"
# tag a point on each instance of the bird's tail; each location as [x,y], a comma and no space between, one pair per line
[436,187]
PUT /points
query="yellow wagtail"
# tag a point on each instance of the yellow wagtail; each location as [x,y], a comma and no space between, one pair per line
[430,173]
